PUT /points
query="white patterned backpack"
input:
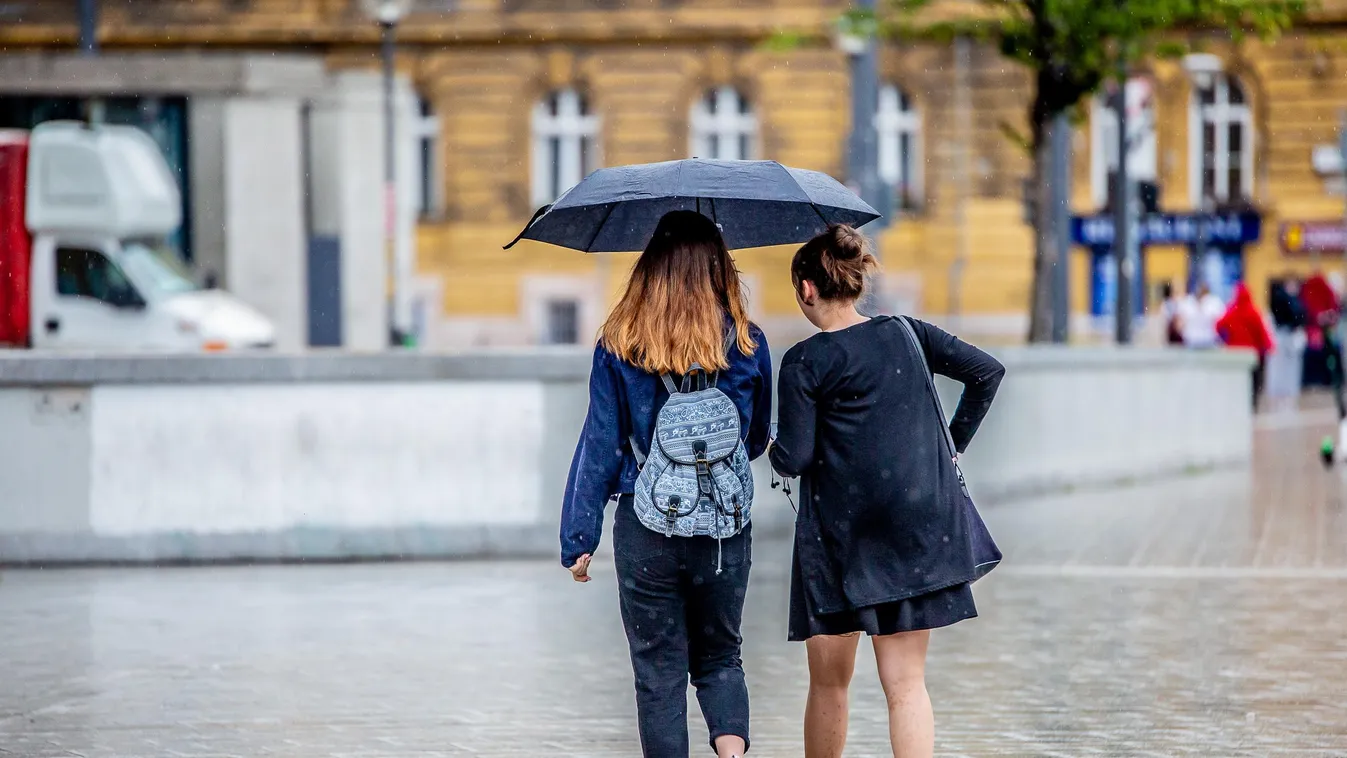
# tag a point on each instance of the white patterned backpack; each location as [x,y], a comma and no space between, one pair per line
[695,481]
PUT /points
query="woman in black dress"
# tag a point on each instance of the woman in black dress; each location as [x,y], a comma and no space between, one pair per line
[885,539]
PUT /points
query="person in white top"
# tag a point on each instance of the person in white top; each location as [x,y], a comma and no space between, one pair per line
[1198,314]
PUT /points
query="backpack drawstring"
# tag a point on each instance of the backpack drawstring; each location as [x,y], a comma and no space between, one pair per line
[719,551]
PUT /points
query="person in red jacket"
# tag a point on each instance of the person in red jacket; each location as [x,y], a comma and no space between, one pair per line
[1243,326]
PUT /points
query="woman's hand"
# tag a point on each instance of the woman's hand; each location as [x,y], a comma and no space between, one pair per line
[580,571]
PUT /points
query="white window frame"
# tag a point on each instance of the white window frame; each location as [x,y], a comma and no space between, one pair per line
[1221,113]
[565,145]
[430,184]
[892,122]
[719,133]
[1142,157]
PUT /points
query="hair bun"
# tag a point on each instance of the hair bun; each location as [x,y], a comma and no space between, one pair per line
[836,261]
[848,243]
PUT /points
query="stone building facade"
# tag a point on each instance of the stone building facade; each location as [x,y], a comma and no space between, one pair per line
[517,99]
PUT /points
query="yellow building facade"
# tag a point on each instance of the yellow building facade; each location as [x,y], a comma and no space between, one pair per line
[524,96]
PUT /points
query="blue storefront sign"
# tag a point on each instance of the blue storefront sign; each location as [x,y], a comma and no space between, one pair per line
[1216,250]
[1173,229]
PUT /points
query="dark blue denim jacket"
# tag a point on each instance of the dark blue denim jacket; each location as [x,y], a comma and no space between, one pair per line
[623,401]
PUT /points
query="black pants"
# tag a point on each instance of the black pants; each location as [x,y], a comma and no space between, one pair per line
[682,621]
[1259,376]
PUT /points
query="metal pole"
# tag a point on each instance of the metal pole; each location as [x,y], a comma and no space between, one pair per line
[1061,219]
[88,17]
[88,11]
[1122,223]
[963,118]
[863,143]
[397,333]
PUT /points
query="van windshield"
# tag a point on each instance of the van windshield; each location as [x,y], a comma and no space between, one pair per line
[155,267]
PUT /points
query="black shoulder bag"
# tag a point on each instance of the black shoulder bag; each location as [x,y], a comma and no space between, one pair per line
[986,555]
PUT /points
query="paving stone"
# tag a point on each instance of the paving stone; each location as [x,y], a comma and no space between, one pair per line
[1202,616]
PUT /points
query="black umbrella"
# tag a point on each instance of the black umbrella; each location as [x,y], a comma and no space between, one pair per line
[756,203]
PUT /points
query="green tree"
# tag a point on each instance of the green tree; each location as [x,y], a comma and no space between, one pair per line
[1071,48]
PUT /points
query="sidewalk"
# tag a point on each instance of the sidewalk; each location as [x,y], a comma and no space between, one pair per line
[1201,616]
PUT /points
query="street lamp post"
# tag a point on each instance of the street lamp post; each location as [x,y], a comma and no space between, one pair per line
[1122,222]
[388,13]
[88,27]
[855,35]
[88,16]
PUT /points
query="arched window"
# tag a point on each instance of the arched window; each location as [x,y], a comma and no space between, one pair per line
[723,126]
[898,126]
[1220,142]
[1142,152]
[565,142]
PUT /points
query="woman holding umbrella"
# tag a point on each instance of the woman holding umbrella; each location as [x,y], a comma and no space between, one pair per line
[682,598]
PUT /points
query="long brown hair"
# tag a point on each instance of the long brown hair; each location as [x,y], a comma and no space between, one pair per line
[672,314]
[837,262]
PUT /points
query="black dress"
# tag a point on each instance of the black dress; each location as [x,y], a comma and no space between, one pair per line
[882,538]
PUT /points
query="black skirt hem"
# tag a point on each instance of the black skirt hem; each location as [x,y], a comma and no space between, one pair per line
[932,610]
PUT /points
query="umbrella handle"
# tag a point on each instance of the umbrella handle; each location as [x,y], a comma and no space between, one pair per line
[536,215]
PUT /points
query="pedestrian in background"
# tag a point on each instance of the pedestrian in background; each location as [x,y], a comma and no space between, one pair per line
[1198,313]
[682,598]
[1169,314]
[1243,326]
[1287,360]
[885,535]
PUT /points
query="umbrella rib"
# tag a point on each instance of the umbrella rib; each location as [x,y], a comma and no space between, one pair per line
[599,229]
[826,222]
[524,231]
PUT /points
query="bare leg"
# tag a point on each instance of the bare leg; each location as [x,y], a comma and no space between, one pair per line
[832,660]
[902,672]
[730,746]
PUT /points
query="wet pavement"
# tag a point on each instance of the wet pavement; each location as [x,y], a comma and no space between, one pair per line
[1202,616]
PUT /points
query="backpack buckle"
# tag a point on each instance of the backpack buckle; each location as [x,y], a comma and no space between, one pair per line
[703,468]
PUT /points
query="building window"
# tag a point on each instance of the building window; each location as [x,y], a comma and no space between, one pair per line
[1142,150]
[563,322]
[429,160]
[1220,148]
[724,126]
[565,138]
[899,134]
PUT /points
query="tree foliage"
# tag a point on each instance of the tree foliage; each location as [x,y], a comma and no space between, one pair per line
[1074,46]
[1071,47]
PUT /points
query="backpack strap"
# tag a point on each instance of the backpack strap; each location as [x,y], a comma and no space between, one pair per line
[731,337]
[636,451]
[669,384]
[705,380]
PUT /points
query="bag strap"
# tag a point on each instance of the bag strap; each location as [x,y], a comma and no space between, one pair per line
[636,451]
[669,384]
[930,380]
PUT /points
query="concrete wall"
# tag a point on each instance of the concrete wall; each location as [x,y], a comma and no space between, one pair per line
[338,456]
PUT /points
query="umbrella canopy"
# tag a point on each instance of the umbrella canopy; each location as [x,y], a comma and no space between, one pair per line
[756,203]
